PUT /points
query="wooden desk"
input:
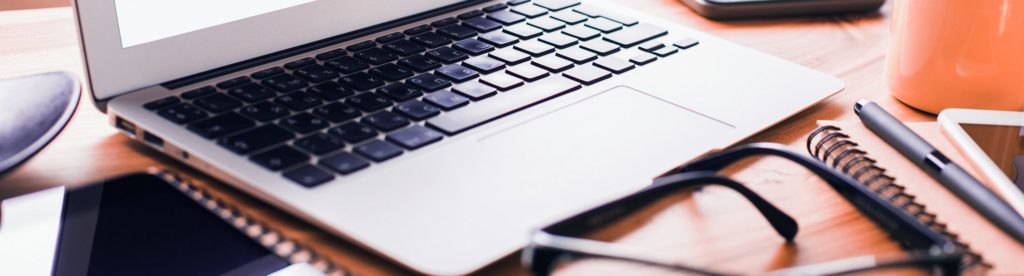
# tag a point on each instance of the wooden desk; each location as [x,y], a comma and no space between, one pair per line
[725,234]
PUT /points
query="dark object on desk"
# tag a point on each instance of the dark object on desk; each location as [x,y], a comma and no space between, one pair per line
[951,175]
[735,9]
[33,111]
[556,242]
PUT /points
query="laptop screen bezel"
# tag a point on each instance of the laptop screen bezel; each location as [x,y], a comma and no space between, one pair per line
[113,70]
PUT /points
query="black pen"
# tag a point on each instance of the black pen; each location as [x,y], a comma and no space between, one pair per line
[955,178]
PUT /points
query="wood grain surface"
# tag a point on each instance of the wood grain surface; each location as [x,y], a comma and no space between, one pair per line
[713,227]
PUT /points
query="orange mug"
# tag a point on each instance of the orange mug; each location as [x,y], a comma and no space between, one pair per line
[957,53]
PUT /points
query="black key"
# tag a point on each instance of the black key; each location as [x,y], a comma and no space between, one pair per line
[484,64]
[417,110]
[347,65]
[457,73]
[389,37]
[420,63]
[319,143]
[361,81]
[385,121]
[581,32]
[376,56]
[686,43]
[553,63]
[233,82]
[330,91]
[415,137]
[221,125]
[285,83]
[368,101]
[300,63]
[506,17]
[555,5]
[444,22]
[316,73]
[255,139]
[577,55]
[361,46]
[588,74]
[337,112]
[298,101]
[429,82]
[418,29]
[481,112]
[264,111]
[473,46]
[651,46]
[378,150]
[481,24]
[353,132]
[332,54]
[495,7]
[182,113]
[404,47]
[161,103]
[470,14]
[251,92]
[635,35]
[431,40]
[344,163]
[308,176]
[558,40]
[446,100]
[475,90]
[547,24]
[530,11]
[600,47]
[643,58]
[198,92]
[279,158]
[391,72]
[400,91]
[517,2]
[266,73]
[446,55]
[604,25]
[614,64]
[535,48]
[456,32]
[664,52]
[498,38]
[570,17]
[217,103]
[523,31]
[304,123]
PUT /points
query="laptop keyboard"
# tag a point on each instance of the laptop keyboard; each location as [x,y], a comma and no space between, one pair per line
[342,110]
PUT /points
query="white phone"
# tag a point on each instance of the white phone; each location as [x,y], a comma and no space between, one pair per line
[993,142]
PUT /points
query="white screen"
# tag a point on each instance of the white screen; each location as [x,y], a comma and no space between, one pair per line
[143,21]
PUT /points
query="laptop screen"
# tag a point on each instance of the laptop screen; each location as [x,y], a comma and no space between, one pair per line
[141,22]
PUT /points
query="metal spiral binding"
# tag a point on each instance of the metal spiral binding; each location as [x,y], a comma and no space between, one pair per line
[265,236]
[834,148]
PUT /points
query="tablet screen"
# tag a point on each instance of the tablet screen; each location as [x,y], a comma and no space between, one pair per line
[1004,145]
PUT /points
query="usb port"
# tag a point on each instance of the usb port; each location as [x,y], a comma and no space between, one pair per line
[125,126]
[152,139]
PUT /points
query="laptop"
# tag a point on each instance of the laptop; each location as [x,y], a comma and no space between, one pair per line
[436,133]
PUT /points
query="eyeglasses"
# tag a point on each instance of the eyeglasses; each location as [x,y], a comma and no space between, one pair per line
[556,243]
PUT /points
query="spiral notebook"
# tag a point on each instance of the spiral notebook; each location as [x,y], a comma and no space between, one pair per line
[871,161]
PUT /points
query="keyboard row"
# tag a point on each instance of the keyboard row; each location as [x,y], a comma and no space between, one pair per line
[343,109]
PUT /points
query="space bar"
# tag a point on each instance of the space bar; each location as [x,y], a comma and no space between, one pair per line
[507,103]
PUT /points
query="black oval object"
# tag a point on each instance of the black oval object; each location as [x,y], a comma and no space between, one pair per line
[33,110]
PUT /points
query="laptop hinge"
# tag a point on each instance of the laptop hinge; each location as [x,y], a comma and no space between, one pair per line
[264,59]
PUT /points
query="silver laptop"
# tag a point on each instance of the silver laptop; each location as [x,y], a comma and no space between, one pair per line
[437,133]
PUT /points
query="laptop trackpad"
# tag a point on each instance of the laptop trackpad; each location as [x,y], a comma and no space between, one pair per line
[621,127]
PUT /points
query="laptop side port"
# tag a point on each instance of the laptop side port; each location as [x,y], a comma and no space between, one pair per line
[125,126]
[152,140]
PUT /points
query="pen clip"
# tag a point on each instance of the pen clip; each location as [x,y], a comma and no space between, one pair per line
[936,160]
